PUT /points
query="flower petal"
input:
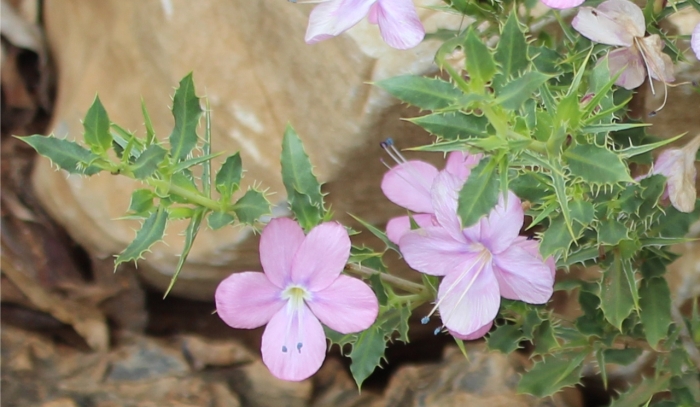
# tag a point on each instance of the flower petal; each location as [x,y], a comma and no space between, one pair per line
[408,185]
[293,344]
[474,335]
[434,251]
[660,65]
[562,4]
[247,300]
[469,300]
[630,62]
[678,165]
[321,256]
[695,41]
[523,275]
[500,228]
[399,23]
[346,306]
[460,164]
[614,22]
[397,227]
[279,242]
[444,195]
[333,17]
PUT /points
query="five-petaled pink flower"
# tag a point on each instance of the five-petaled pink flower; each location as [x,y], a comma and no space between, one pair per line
[397,19]
[621,23]
[301,284]
[678,166]
[408,185]
[480,263]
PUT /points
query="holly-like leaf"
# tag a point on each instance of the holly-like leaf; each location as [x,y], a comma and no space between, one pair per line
[186,111]
[616,298]
[552,374]
[611,232]
[219,219]
[479,61]
[228,178]
[544,339]
[141,201]
[640,394]
[303,189]
[516,92]
[190,235]
[422,92]
[367,354]
[96,125]
[148,161]
[150,133]
[505,338]
[151,232]
[655,304]
[511,51]
[479,194]
[596,164]
[251,206]
[68,155]
[453,125]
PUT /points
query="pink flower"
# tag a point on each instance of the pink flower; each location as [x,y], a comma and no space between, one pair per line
[301,285]
[409,183]
[678,166]
[621,23]
[480,264]
[398,21]
[695,41]
[562,4]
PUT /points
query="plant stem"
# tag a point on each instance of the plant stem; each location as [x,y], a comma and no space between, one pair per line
[394,281]
[189,195]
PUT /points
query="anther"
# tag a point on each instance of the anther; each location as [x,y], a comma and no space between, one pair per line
[299,345]
[284,349]
[425,320]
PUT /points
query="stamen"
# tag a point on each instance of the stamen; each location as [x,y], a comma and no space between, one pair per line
[425,320]
[284,349]
[642,51]
[388,146]
[296,296]
[437,331]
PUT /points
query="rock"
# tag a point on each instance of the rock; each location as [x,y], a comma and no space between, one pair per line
[258,388]
[250,59]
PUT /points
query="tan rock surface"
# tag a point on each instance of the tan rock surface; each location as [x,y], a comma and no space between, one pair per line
[250,59]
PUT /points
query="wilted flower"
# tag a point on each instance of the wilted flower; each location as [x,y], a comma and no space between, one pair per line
[301,285]
[480,264]
[408,185]
[397,19]
[621,23]
[678,166]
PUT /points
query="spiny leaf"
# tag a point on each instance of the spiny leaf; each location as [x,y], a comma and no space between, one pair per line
[251,206]
[150,133]
[511,51]
[505,338]
[552,374]
[596,165]
[141,201]
[68,155]
[616,299]
[655,304]
[479,61]
[219,219]
[640,394]
[229,176]
[148,161]
[190,235]
[479,194]
[96,124]
[151,232]
[186,110]
[516,92]
[453,125]
[367,354]
[422,92]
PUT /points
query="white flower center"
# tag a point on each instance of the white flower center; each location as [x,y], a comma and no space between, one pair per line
[295,296]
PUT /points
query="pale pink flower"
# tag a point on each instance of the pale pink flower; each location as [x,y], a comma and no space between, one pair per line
[678,166]
[397,19]
[480,264]
[301,284]
[562,4]
[409,183]
[695,41]
[621,23]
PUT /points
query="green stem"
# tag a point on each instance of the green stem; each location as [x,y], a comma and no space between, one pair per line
[396,282]
[189,195]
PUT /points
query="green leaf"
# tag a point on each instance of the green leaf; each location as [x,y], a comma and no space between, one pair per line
[637,150]
[553,373]
[228,178]
[68,155]
[186,110]
[251,206]
[378,233]
[148,161]
[190,235]
[150,133]
[616,298]
[183,165]
[622,356]
[642,393]
[611,232]
[505,338]
[303,189]
[219,219]
[96,124]
[151,232]
[479,194]
[544,339]
[596,165]
[655,304]
[582,211]
[559,184]
[479,61]
[453,125]
[592,321]
[125,142]
[141,201]
[366,354]
[556,238]
[422,92]
[516,92]
[511,51]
